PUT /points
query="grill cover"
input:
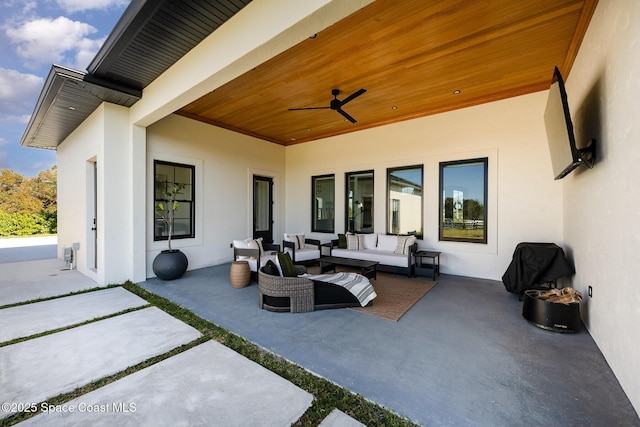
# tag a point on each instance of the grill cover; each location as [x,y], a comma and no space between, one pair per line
[534,264]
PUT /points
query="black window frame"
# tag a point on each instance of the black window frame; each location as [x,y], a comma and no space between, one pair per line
[314,206]
[192,202]
[389,218]
[442,219]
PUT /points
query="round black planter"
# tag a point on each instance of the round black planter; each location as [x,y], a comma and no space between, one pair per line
[170,265]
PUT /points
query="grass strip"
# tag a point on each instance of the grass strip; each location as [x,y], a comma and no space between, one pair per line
[327,395]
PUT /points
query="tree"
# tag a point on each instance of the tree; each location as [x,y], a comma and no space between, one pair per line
[28,205]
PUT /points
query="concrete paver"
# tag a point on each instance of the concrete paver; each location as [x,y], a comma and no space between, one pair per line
[207,385]
[29,280]
[30,319]
[37,369]
[338,418]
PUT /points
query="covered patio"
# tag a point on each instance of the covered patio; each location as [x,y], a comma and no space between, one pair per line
[462,355]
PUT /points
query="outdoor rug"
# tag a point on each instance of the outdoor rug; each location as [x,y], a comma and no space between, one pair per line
[396,294]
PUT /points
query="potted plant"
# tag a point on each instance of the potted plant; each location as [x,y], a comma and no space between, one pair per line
[171,263]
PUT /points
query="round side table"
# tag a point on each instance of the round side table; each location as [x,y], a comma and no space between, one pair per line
[240,274]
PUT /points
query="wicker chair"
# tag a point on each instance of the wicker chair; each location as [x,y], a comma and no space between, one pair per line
[298,289]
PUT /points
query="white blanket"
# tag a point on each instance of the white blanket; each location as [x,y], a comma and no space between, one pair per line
[355,283]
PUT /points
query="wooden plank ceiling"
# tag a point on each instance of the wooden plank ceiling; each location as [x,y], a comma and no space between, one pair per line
[410,56]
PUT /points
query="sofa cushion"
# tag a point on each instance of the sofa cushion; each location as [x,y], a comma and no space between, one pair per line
[387,242]
[271,268]
[297,239]
[305,254]
[370,241]
[383,257]
[404,242]
[286,265]
[241,244]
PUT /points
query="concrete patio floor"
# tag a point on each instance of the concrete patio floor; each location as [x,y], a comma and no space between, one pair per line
[207,384]
[463,355]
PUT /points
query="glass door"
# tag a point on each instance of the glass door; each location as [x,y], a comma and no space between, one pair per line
[263,208]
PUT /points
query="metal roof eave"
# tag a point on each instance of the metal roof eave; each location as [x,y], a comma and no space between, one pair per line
[67,98]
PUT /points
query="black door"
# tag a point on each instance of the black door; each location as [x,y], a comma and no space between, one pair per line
[263,208]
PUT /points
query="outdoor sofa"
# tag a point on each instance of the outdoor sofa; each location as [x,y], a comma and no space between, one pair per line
[393,252]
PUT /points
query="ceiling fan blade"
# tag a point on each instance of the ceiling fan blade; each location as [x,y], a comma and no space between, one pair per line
[352,96]
[309,108]
[348,117]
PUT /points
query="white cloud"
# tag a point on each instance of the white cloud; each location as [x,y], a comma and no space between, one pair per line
[18,92]
[45,40]
[25,6]
[82,5]
[86,51]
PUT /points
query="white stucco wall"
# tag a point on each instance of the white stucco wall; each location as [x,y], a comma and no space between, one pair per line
[524,201]
[75,190]
[102,139]
[225,164]
[602,205]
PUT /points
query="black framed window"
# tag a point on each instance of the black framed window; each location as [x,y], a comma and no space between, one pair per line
[404,200]
[166,174]
[359,202]
[463,200]
[323,191]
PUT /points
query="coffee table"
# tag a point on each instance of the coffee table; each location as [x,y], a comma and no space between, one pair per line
[367,268]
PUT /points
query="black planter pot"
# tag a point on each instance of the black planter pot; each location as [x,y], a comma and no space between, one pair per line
[170,265]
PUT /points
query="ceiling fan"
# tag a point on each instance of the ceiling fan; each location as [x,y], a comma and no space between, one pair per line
[336,104]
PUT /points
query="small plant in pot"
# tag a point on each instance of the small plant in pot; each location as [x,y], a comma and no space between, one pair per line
[171,263]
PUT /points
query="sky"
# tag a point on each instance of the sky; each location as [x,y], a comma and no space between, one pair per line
[33,36]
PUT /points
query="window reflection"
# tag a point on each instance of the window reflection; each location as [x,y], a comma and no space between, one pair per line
[463,195]
[404,189]
[323,209]
[359,202]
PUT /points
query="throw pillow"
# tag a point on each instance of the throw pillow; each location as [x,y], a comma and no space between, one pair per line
[288,269]
[403,244]
[255,244]
[354,242]
[271,268]
[259,243]
[297,239]
[342,241]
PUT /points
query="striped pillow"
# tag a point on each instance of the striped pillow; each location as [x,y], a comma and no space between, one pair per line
[354,242]
[404,242]
[297,239]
